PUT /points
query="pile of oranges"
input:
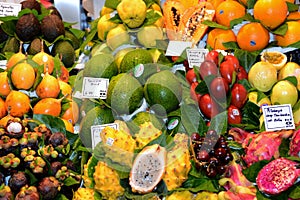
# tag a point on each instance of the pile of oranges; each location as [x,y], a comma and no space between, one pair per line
[262,19]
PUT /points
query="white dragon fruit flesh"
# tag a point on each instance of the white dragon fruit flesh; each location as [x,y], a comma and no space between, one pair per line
[277,176]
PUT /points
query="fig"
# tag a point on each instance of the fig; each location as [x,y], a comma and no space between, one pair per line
[28,27]
[3,35]
[52,27]
[65,51]
[54,11]
[36,46]
[48,87]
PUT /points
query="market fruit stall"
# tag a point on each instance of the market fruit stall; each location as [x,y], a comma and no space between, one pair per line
[110,113]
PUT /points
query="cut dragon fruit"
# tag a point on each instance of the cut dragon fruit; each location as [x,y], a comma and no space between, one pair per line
[295,144]
[277,176]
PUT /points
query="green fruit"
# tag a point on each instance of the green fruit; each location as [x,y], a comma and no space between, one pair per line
[11,45]
[148,35]
[36,46]
[124,94]
[117,37]
[74,40]
[163,92]
[100,66]
[65,51]
[96,116]
[100,48]
[104,25]
[143,117]
[120,55]
[86,106]
[133,58]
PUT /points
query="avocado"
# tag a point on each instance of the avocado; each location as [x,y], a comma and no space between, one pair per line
[28,27]
[52,27]
[65,51]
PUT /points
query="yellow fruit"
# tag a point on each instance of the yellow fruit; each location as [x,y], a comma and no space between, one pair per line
[72,113]
[65,88]
[4,85]
[17,103]
[3,110]
[148,35]
[296,114]
[276,58]
[252,96]
[48,87]
[291,36]
[270,13]
[132,12]
[262,76]
[217,37]
[105,10]
[48,106]
[14,59]
[44,59]
[117,36]
[290,69]
[104,25]
[23,76]
[68,125]
[284,92]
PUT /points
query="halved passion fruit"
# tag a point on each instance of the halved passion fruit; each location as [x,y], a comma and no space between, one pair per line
[276,58]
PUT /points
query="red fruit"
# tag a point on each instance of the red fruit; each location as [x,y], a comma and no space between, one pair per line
[208,68]
[238,95]
[295,144]
[208,106]
[219,88]
[213,56]
[193,93]
[174,58]
[186,65]
[234,115]
[241,73]
[64,74]
[191,76]
[277,176]
[233,60]
[227,71]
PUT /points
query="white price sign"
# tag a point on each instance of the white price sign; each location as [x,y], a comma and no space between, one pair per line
[175,48]
[278,117]
[196,56]
[9,9]
[94,87]
[96,130]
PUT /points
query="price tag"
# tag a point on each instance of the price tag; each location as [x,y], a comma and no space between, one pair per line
[175,48]
[278,117]
[94,87]
[196,56]
[3,64]
[9,9]
[96,130]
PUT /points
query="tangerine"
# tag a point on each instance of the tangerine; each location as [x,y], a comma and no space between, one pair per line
[215,3]
[4,85]
[72,113]
[291,36]
[294,16]
[17,103]
[229,10]
[23,76]
[252,37]
[217,37]
[3,110]
[270,13]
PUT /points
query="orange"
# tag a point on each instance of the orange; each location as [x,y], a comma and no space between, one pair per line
[3,111]
[72,113]
[270,13]
[294,15]
[252,37]
[291,36]
[4,85]
[217,37]
[291,1]
[215,3]
[17,103]
[23,76]
[229,10]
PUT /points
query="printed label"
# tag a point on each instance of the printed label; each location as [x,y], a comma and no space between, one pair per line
[9,9]
[175,48]
[94,87]
[278,117]
[173,123]
[138,70]
[196,56]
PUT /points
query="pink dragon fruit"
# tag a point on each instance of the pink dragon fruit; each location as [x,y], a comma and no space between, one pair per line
[295,144]
[277,176]
[261,146]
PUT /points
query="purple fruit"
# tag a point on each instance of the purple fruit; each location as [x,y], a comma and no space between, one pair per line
[277,176]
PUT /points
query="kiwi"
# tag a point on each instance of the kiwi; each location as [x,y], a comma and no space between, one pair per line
[28,27]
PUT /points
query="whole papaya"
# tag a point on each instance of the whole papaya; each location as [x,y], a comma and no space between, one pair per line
[132,12]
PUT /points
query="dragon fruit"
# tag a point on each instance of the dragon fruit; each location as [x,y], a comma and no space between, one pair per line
[181,195]
[206,195]
[261,146]
[178,162]
[107,181]
[148,169]
[277,176]
[295,144]
[146,134]
[118,145]
[84,194]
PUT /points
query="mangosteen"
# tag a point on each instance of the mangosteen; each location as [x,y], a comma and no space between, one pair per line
[52,27]
[55,166]
[31,4]
[49,188]
[28,192]
[28,27]
[17,181]
[58,139]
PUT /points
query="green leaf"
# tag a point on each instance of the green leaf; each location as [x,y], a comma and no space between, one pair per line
[214,25]
[32,178]
[284,147]
[246,58]
[112,3]
[9,27]
[250,3]
[281,30]
[219,123]
[230,45]
[55,124]
[190,118]
[200,184]
[60,196]
[292,79]
[151,17]
[252,171]
[296,45]
[292,7]
[260,196]
[201,88]
[70,181]
[295,193]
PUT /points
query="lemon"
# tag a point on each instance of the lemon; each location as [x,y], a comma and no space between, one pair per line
[262,76]
[276,58]
[284,92]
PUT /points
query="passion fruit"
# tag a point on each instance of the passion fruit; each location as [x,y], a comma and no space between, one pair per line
[23,76]
[276,58]
[17,103]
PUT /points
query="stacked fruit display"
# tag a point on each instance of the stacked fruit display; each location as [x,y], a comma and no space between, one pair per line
[183,132]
